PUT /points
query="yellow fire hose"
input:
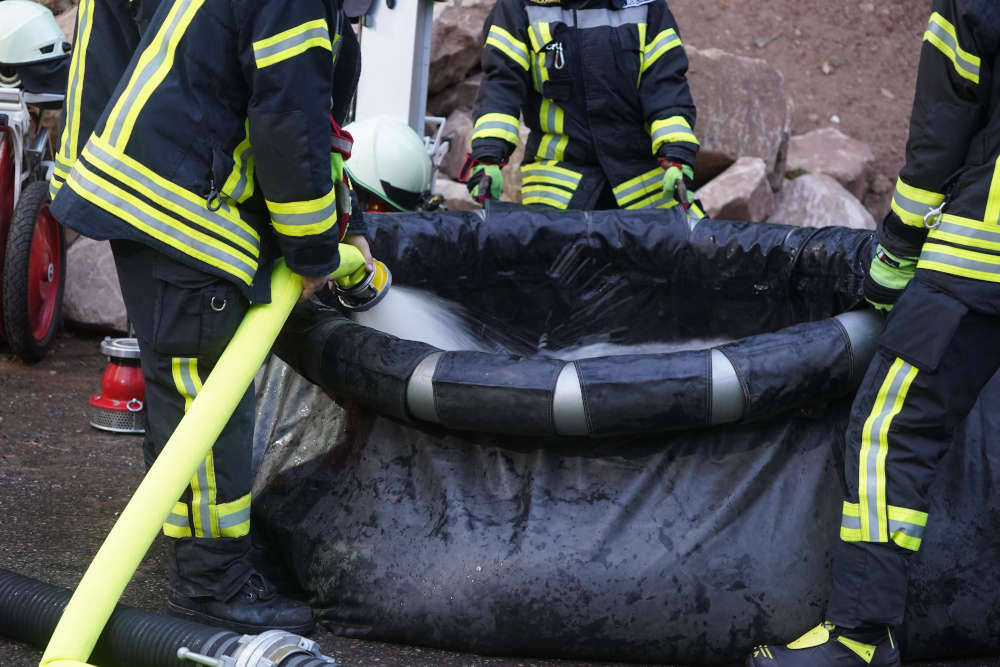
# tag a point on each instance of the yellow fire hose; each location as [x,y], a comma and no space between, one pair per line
[118,558]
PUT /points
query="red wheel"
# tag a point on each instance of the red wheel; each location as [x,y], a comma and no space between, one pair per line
[33,275]
[6,195]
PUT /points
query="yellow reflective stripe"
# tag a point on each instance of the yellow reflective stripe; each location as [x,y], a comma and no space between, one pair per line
[177,524]
[993,203]
[906,526]
[234,517]
[152,67]
[539,34]
[69,146]
[225,222]
[964,231]
[641,28]
[545,195]
[661,44]
[203,487]
[656,200]
[911,204]
[551,117]
[497,125]
[674,128]
[960,262]
[160,226]
[550,166]
[290,43]
[552,147]
[864,651]
[239,184]
[640,186]
[941,33]
[509,45]
[304,218]
[875,447]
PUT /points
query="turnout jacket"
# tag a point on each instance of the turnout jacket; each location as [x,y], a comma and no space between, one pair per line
[114,28]
[601,85]
[946,206]
[215,146]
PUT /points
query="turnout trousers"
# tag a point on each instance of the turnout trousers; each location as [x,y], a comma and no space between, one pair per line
[935,355]
[183,319]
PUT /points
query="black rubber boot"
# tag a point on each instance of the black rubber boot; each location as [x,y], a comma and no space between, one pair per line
[255,608]
[829,646]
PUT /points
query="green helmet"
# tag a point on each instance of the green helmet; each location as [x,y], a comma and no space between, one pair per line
[390,162]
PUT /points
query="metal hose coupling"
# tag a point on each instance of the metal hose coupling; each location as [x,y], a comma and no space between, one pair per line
[274,648]
[362,290]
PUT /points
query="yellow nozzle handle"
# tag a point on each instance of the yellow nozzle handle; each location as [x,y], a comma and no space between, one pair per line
[352,266]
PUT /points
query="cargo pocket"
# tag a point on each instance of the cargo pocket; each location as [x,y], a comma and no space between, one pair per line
[922,325]
[195,313]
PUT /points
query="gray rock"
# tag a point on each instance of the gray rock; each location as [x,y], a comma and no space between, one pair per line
[512,172]
[741,192]
[93,298]
[456,45]
[743,111]
[460,96]
[457,128]
[67,23]
[815,200]
[829,151]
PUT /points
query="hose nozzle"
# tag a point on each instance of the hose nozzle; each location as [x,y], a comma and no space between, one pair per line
[356,288]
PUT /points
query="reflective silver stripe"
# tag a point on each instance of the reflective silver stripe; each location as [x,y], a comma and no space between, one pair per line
[290,43]
[888,408]
[911,529]
[976,233]
[195,212]
[302,219]
[496,125]
[551,143]
[240,189]
[178,235]
[665,37]
[551,175]
[910,205]
[204,505]
[945,36]
[587,18]
[852,522]
[342,144]
[670,129]
[179,520]
[550,117]
[539,64]
[139,78]
[638,189]
[959,262]
[657,203]
[728,398]
[234,519]
[548,193]
[518,48]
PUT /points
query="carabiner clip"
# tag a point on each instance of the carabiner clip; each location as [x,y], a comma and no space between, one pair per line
[558,57]
[933,218]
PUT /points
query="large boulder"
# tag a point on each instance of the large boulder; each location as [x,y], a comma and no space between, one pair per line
[457,129]
[815,200]
[741,192]
[456,45]
[93,298]
[460,96]
[67,23]
[743,111]
[512,172]
[829,151]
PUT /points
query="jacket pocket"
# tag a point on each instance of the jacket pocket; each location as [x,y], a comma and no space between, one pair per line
[922,325]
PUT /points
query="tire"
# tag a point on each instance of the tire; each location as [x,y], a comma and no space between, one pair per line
[34,275]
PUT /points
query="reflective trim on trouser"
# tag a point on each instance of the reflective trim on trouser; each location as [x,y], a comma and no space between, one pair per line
[640,188]
[906,527]
[548,184]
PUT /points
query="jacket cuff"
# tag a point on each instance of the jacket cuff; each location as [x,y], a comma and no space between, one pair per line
[900,239]
[495,151]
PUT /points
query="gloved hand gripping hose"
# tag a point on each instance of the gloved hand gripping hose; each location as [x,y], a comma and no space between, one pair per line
[116,561]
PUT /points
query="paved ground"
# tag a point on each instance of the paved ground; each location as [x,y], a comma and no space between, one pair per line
[62,484]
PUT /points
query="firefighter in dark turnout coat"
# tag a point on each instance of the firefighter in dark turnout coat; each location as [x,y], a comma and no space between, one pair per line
[937,268]
[214,156]
[601,85]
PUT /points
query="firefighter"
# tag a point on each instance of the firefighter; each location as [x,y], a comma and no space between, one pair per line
[937,268]
[219,151]
[117,26]
[601,85]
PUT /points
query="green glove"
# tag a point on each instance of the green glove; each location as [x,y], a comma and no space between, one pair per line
[677,179]
[485,182]
[887,277]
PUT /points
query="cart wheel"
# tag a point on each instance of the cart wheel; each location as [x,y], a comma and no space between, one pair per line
[6,200]
[34,273]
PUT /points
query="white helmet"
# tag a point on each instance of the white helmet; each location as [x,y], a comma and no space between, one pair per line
[390,161]
[28,33]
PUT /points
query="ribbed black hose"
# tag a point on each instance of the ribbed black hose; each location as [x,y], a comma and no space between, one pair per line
[30,610]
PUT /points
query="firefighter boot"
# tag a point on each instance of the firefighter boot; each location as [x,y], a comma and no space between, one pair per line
[255,608]
[829,646]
